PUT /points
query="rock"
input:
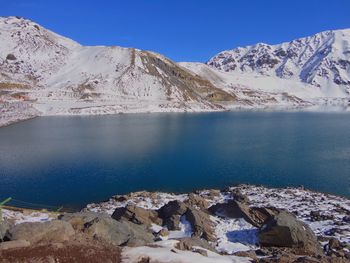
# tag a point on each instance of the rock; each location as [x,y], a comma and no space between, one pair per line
[14,244]
[285,230]
[139,235]
[334,243]
[256,216]
[36,232]
[188,243]
[202,225]
[163,233]
[249,254]
[197,201]
[238,196]
[173,222]
[79,219]
[317,216]
[137,215]
[102,227]
[11,57]
[4,227]
[108,230]
[214,193]
[171,214]
[346,219]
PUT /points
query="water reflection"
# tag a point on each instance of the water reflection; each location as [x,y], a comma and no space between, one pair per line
[74,160]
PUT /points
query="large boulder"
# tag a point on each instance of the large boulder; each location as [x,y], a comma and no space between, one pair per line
[139,234]
[256,216]
[102,227]
[171,214]
[285,230]
[137,215]
[37,232]
[202,225]
[108,230]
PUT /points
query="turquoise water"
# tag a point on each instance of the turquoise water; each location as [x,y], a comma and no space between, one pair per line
[76,160]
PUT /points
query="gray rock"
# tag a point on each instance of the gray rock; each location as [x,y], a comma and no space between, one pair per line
[36,232]
[139,235]
[285,230]
[108,230]
[202,225]
[103,227]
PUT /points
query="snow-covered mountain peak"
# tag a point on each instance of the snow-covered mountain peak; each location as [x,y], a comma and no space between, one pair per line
[322,60]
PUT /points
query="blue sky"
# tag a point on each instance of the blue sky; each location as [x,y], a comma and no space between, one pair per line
[191,30]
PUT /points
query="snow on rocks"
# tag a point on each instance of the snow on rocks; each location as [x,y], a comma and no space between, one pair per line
[21,216]
[305,204]
[234,235]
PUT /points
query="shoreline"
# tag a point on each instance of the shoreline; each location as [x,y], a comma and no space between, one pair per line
[263,109]
[228,236]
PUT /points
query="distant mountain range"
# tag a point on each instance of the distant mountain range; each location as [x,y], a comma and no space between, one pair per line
[42,73]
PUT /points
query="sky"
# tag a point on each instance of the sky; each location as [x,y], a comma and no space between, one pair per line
[183,30]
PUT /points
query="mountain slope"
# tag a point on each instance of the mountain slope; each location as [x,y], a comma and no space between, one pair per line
[322,60]
[56,75]
[42,73]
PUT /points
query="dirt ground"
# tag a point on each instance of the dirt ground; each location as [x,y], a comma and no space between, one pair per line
[62,253]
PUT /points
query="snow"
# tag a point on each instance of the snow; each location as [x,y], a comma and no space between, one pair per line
[238,235]
[312,61]
[18,217]
[58,76]
[235,235]
[165,251]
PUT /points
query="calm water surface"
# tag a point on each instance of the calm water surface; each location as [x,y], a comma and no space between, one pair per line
[76,160]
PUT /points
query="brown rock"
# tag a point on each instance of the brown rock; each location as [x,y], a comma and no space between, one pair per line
[171,213]
[188,243]
[163,233]
[201,223]
[197,201]
[233,209]
[137,215]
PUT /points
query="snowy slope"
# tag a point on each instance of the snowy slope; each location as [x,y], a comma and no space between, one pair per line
[42,73]
[322,60]
[59,76]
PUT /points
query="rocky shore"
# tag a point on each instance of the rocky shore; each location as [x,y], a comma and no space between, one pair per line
[245,223]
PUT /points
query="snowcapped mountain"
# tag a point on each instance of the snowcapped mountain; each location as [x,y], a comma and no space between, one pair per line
[42,73]
[55,75]
[322,60]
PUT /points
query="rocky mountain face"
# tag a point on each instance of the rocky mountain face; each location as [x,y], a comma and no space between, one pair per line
[42,73]
[59,76]
[322,60]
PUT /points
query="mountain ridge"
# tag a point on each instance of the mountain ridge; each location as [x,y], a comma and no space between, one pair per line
[44,73]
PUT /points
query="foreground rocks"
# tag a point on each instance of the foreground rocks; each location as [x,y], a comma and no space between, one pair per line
[146,220]
[284,230]
[52,231]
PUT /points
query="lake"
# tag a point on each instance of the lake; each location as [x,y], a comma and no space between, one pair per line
[72,161]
